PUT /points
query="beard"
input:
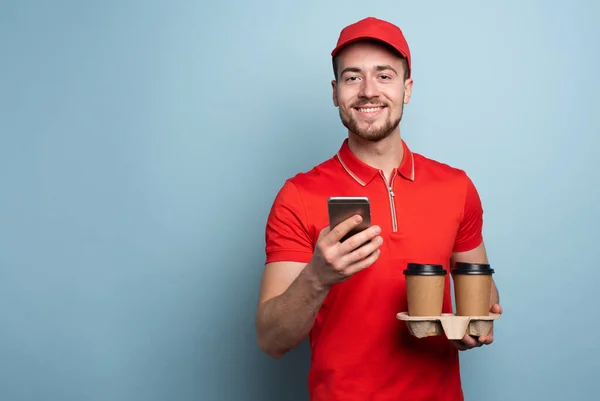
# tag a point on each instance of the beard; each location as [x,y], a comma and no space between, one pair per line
[371,132]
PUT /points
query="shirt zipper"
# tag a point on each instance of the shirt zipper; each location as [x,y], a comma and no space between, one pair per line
[391,196]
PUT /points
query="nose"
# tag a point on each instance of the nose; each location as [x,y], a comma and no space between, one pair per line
[368,88]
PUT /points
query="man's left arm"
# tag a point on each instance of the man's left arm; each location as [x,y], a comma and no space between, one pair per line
[478,255]
[469,247]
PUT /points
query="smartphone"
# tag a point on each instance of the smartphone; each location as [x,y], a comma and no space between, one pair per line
[343,207]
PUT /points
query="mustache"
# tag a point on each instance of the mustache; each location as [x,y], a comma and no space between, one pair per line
[368,103]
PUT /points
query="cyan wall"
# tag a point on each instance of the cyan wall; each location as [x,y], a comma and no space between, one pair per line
[142,143]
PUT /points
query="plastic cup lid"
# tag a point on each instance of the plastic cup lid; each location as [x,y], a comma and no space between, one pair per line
[472,268]
[420,269]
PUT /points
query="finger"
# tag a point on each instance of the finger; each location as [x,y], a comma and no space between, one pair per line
[363,264]
[486,340]
[469,341]
[360,239]
[338,232]
[324,232]
[363,252]
[459,345]
[489,337]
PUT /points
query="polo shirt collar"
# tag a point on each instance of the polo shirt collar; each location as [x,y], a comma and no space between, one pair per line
[363,173]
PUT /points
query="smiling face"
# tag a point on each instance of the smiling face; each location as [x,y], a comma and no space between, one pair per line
[370,89]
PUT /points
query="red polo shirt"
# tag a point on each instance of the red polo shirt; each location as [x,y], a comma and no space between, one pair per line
[359,349]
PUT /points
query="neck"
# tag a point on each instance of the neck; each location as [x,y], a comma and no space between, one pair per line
[385,155]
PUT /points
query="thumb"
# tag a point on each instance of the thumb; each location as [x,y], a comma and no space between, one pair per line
[324,231]
[496,309]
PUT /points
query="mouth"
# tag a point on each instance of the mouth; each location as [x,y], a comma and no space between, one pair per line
[369,111]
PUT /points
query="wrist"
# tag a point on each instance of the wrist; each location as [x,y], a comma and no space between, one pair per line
[314,280]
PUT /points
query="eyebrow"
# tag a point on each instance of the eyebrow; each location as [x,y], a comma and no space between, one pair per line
[385,67]
[378,68]
[349,69]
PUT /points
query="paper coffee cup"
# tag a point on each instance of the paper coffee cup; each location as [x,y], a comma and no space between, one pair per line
[425,289]
[472,288]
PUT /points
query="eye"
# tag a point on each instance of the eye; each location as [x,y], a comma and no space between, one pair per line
[350,79]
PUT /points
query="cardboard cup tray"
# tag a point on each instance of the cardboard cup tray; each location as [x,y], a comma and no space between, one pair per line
[454,327]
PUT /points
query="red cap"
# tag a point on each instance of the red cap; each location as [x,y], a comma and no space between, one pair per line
[373,28]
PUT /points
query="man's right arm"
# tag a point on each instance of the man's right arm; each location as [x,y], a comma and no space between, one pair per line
[289,295]
[292,293]
[297,277]
[289,300]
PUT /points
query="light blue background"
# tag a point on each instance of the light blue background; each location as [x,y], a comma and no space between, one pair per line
[142,143]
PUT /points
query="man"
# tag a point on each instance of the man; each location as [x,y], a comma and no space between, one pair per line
[345,295]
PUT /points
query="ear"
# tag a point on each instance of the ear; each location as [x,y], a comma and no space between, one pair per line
[408,84]
[334,94]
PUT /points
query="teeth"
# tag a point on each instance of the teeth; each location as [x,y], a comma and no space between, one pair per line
[369,110]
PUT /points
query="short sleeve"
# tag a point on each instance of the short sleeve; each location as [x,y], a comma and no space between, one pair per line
[287,237]
[469,234]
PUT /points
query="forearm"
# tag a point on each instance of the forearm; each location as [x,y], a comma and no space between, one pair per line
[285,320]
[495,296]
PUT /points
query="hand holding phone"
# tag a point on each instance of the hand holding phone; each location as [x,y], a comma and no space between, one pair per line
[350,243]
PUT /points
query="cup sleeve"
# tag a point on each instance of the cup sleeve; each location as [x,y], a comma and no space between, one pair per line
[469,235]
[287,236]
